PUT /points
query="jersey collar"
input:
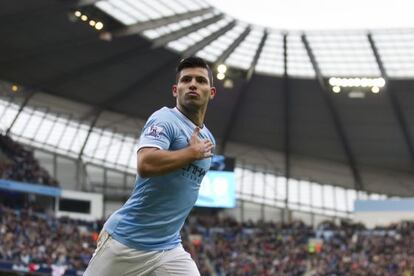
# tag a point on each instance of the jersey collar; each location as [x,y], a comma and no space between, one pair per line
[181,115]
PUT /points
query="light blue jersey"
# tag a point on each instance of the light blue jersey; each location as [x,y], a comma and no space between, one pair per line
[152,217]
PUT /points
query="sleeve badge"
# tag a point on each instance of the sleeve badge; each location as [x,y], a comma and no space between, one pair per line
[154,131]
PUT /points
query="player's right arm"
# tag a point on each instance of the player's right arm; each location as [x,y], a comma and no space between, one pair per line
[152,161]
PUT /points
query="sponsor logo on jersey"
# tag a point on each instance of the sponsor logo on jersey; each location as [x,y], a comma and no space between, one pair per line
[194,172]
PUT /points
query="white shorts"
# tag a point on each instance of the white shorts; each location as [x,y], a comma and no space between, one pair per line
[112,258]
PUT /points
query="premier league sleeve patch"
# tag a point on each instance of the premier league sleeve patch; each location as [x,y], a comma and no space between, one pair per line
[157,132]
[154,131]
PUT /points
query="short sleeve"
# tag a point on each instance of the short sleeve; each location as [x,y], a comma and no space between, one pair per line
[157,133]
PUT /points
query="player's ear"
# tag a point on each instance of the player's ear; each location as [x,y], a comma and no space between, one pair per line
[213,92]
[174,90]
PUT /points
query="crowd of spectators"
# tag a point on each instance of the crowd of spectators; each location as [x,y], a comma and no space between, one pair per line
[19,164]
[224,246]
[33,236]
[233,248]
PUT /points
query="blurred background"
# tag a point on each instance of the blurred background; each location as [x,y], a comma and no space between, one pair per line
[314,122]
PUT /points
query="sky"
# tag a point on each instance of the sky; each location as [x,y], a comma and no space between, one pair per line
[321,14]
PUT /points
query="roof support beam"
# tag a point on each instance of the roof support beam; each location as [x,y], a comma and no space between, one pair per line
[335,117]
[22,106]
[163,40]
[233,115]
[395,104]
[256,56]
[152,24]
[241,96]
[91,127]
[207,40]
[233,46]
[287,117]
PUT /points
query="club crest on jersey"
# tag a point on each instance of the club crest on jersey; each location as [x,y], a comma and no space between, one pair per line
[154,131]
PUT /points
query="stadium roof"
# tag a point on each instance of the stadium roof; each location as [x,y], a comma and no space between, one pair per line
[277,86]
[344,53]
[320,14]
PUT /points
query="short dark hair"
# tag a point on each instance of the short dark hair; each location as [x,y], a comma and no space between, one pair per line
[194,62]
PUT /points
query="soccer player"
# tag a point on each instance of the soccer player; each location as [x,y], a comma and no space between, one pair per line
[174,154]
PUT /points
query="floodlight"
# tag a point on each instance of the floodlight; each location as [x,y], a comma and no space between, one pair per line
[222,68]
[336,89]
[99,25]
[221,76]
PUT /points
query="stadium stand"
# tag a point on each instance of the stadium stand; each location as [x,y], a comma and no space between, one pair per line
[33,238]
[18,163]
[287,249]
